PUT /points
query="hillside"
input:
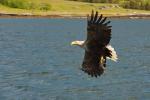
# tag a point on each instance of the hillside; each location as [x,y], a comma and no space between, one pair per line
[63,8]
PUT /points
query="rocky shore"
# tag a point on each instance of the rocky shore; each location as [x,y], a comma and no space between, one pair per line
[28,15]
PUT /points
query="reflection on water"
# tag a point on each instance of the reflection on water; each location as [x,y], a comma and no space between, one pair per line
[38,63]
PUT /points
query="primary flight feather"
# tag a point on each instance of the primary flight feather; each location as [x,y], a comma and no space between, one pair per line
[97,47]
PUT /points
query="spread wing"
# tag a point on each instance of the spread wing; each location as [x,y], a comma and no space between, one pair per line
[98,36]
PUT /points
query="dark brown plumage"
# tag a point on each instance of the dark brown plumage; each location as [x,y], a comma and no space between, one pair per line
[98,37]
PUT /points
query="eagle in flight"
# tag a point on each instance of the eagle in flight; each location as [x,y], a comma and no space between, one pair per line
[96,46]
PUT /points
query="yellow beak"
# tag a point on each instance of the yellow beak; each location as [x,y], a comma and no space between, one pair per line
[73,43]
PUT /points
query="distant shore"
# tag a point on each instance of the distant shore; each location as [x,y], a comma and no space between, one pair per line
[130,16]
[68,9]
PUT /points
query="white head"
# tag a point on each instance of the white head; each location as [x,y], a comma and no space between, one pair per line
[78,43]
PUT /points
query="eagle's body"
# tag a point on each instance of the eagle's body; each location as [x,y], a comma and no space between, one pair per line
[96,46]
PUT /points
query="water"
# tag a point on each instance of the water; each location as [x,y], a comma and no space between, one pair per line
[38,63]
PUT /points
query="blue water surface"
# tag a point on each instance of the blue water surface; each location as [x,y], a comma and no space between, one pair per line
[38,63]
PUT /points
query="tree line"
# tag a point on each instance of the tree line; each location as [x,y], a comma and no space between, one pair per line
[129,4]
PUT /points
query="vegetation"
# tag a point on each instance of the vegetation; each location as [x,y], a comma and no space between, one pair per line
[64,8]
[132,4]
[25,4]
[45,4]
[137,4]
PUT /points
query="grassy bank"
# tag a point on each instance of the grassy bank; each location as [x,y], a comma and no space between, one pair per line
[63,7]
[130,4]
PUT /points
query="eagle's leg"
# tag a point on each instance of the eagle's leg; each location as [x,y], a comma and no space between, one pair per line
[104,61]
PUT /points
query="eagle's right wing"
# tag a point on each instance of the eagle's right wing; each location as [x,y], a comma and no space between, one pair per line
[93,64]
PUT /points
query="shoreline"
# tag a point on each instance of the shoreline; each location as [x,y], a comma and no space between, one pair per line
[127,16]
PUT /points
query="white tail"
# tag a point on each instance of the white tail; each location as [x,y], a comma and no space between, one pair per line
[114,56]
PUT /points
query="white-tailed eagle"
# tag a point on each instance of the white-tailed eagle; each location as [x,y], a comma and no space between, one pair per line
[97,47]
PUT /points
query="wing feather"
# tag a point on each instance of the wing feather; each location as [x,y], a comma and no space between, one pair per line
[99,19]
[95,18]
[107,23]
[92,16]
[104,19]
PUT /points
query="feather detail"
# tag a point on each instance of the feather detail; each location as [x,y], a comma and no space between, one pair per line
[114,56]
